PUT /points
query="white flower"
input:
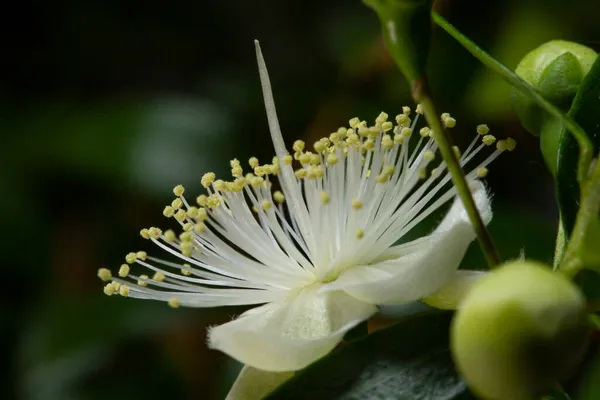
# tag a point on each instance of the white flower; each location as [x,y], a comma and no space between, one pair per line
[322,253]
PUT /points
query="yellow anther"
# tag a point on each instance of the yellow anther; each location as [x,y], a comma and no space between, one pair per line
[177,203]
[278,197]
[124,290]
[456,151]
[124,270]
[300,173]
[482,172]
[173,302]
[130,258]
[143,280]
[387,126]
[450,122]
[199,228]
[382,178]
[406,132]
[186,236]
[304,158]
[357,204]
[360,233]
[145,234]
[266,204]
[325,198]
[423,173]
[109,289]
[202,214]
[186,248]
[192,212]
[141,255]
[259,171]
[406,110]
[117,286]
[369,144]
[253,162]
[363,131]
[424,131]
[168,211]
[315,159]
[320,147]
[403,120]
[213,201]
[256,181]
[483,129]
[444,117]
[488,140]
[154,232]
[287,159]
[178,190]
[332,159]
[208,179]
[201,200]
[234,163]
[501,145]
[186,270]
[419,109]
[381,118]
[237,171]
[398,139]
[158,276]
[104,274]
[299,146]
[188,226]
[432,133]
[388,170]
[220,185]
[169,235]
[511,144]
[354,122]
[180,215]
[434,172]
[387,142]
[429,155]
[352,139]
[314,172]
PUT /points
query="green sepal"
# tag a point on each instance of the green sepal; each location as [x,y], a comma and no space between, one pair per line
[406,28]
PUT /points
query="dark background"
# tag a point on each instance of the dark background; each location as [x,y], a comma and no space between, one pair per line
[106,105]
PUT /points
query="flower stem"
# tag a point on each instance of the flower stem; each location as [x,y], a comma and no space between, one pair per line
[587,218]
[421,95]
[586,148]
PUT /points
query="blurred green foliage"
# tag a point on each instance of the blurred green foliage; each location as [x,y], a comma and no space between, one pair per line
[106,105]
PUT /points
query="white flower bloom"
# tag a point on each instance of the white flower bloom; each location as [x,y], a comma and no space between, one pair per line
[320,254]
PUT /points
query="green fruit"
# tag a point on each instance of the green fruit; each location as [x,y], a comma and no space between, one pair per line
[519,331]
[555,69]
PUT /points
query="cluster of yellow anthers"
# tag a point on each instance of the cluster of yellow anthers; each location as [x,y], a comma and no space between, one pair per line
[340,166]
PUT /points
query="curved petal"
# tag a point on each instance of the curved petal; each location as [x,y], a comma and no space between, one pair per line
[417,269]
[256,384]
[289,336]
[449,296]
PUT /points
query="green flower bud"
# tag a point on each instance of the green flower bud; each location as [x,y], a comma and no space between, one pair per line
[519,331]
[555,69]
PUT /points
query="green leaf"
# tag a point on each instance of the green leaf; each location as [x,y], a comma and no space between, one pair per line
[584,111]
[409,360]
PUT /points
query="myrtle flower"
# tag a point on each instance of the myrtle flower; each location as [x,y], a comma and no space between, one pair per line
[311,237]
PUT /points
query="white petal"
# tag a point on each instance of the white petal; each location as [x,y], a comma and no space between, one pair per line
[449,296]
[422,271]
[256,384]
[289,336]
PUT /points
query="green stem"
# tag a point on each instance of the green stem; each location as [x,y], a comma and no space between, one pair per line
[422,96]
[586,218]
[585,145]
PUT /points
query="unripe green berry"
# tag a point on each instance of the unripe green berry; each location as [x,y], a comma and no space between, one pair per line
[555,69]
[519,331]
